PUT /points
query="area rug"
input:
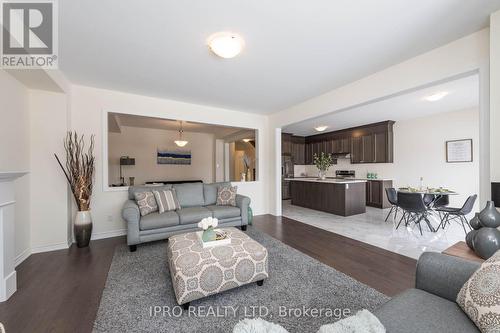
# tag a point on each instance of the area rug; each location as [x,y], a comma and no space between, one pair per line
[301,294]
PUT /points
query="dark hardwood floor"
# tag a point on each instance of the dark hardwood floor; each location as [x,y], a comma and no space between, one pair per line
[388,272]
[59,291]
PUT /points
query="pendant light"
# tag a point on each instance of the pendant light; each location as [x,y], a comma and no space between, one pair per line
[181,142]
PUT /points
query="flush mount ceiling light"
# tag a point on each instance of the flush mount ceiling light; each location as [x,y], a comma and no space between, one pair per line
[247,140]
[226,44]
[181,142]
[436,97]
[320,128]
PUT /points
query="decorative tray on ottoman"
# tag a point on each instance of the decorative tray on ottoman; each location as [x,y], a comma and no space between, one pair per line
[222,239]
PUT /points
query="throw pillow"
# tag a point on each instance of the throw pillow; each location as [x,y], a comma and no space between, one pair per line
[226,196]
[146,202]
[166,200]
[480,296]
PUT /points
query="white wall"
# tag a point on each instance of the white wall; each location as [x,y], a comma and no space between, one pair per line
[14,154]
[142,144]
[419,151]
[467,55]
[87,116]
[50,206]
[495,96]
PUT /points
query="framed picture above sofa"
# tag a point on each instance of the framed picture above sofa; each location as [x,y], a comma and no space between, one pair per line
[173,156]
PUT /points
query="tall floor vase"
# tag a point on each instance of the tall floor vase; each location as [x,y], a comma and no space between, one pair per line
[83,228]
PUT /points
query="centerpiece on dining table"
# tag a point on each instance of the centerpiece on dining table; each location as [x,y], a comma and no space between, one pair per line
[431,190]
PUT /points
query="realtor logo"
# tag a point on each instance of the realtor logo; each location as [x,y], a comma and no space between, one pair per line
[29,34]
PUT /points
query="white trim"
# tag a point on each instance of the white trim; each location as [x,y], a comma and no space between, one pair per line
[105,159]
[22,257]
[48,248]
[8,203]
[109,234]
[277,171]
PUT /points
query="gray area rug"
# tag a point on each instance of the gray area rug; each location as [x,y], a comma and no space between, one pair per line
[301,294]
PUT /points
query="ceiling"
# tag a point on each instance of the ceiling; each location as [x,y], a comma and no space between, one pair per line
[294,50]
[118,120]
[462,94]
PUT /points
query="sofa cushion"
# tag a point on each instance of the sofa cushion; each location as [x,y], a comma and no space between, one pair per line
[166,200]
[193,214]
[146,202]
[156,220]
[480,295]
[146,188]
[417,311]
[210,192]
[226,195]
[224,212]
[190,195]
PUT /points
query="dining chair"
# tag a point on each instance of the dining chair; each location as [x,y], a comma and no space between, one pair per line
[428,199]
[392,197]
[451,213]
[415,210]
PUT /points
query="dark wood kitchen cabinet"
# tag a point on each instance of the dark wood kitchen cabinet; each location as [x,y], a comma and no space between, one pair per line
[382,147]
[371,143]
[375,193]
[298,150]
[368,147]
[286,144]
[343,199]
[356,150]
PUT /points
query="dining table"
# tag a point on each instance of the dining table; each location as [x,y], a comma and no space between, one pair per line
[437,194]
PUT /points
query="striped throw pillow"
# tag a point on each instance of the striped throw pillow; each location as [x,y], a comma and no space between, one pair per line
[166,200]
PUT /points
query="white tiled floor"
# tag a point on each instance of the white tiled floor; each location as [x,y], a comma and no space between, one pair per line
[370,228]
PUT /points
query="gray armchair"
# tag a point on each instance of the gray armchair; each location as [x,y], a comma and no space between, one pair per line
[430,306]
[197,201]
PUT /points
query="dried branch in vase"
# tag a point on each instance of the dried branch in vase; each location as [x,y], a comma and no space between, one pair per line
[79,168]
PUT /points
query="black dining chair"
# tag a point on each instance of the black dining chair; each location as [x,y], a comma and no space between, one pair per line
[392,197]
[442,200]
[451,213]
[415,210]
[428,199]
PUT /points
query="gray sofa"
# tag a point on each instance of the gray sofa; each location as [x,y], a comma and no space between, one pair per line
[197,201]
[430,307]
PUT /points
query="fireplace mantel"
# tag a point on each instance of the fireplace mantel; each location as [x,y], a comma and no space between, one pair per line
[8,284]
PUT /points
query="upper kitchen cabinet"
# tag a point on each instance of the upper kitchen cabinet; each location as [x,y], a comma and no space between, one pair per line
[286,144]
[373,143]
[298,150]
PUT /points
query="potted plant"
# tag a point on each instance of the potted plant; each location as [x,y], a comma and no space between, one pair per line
[79,172]
[323,162]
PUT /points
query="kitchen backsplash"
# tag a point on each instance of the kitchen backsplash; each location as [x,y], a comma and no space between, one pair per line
[343,164]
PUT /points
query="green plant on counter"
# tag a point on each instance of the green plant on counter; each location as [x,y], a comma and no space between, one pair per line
[323,161]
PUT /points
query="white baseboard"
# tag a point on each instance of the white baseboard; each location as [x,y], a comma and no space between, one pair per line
[48,248]
[109,234]
[22,257]
[62,246]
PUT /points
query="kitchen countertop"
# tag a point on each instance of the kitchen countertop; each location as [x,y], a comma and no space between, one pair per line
[355,178]
[328,180]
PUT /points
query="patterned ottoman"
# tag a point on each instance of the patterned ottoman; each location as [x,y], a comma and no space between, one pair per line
[198,272]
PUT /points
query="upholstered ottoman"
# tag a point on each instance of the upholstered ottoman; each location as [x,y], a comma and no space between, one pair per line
[199,272]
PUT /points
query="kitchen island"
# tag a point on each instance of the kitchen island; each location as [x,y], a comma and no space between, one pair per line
[343,197]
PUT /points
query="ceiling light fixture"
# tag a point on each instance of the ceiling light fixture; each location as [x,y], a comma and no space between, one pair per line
[320,128]
[181,142]
[436,97]
[247,140]
[226,44]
